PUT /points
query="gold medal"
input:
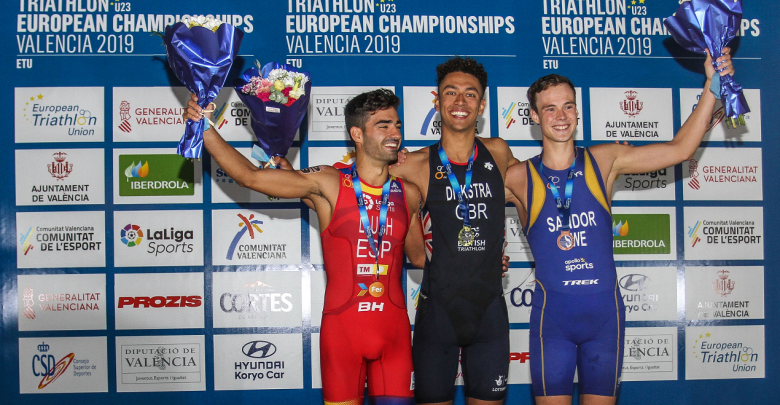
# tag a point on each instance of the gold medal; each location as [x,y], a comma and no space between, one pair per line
[466,236]
[565,241]
[376,289]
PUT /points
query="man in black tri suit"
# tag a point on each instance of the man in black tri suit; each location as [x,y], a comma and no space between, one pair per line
[461,310]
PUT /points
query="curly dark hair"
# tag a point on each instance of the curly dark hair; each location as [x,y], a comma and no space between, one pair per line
[357,110]
[544,83]
[464,65]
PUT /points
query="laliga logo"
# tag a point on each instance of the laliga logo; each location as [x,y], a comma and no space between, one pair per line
[723,286]
[620,229]
[631,106]
[131,235]
[48,368]
[124,115]
[60,169]
[693,165]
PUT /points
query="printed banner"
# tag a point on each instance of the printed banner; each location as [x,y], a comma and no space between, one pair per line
[258,362]
[59,114]
[60,177]
[160,363]
[724,292]
[62,302]
[63,365]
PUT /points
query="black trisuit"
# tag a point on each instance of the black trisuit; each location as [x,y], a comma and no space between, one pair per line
[461,304]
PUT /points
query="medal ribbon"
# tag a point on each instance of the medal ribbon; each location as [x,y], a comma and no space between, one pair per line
[564,207]
[364,215]
[456,186]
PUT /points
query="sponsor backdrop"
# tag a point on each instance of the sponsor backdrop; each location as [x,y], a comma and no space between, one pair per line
[127,269]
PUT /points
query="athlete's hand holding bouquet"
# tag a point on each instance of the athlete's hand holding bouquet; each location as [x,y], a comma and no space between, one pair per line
[712,24]
[201,51]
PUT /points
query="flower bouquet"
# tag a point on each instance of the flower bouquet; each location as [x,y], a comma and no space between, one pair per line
[712,24]
[200,52]
[277,97]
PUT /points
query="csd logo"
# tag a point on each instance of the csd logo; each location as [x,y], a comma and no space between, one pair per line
[259,349]
[634,282]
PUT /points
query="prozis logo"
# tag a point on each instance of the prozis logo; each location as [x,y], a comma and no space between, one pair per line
[175,301]
[41,113]
[522,357]
[156,175]
[47,366]
[631,106]
[160,241]
[60,168]
[641,233]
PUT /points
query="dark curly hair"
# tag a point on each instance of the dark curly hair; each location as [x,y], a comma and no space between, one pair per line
[464,65]
[544,83]
[357,110]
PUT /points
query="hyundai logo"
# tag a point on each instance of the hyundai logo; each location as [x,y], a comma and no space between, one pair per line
[259,349]
[634,282]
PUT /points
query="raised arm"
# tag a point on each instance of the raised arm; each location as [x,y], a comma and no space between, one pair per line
[308,183]
[621,159]
[414,246]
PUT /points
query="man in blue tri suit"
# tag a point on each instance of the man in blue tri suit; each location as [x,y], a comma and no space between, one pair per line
[563,201]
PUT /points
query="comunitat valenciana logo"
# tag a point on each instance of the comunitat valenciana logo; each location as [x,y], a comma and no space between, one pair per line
[40,113]
[429,117]
[156,175]
[47,366]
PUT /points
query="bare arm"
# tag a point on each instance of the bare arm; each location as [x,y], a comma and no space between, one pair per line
[517,184]
[414,246]
[617,159]
[278,183]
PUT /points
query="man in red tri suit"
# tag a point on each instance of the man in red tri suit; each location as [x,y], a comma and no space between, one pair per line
[369,219]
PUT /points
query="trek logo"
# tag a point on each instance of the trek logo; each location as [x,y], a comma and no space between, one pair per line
[259,349]
[580,282]
[161,302]
[371,306]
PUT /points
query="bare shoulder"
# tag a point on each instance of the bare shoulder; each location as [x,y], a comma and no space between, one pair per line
[413,196]
[415,163]
[496,146]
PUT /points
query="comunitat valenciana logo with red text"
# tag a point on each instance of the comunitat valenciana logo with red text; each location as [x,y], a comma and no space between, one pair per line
[45,365]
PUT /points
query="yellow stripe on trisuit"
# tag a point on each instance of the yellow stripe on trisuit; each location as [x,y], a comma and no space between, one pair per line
[369,189]
[593,183]
[537,199]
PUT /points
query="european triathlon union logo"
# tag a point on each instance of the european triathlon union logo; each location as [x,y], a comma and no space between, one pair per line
[247,225]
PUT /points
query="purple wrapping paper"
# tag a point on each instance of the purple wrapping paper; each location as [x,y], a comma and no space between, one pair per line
[275,131]
[711,24]
[201,59]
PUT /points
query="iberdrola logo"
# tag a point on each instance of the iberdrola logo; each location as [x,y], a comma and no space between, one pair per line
[137,170]
[620,229]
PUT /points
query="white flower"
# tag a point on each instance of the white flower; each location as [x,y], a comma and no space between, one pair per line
[288,81]
[276,74]
[297,93]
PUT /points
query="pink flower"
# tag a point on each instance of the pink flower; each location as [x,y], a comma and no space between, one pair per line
[286,91]
[264,96]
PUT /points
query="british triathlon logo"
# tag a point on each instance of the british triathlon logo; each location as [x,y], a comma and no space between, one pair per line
[649,234]
[156,175]
[41,113]
[631,105]
[429,118]
[131,235]
[45,365]
[723,286]
[60,168]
